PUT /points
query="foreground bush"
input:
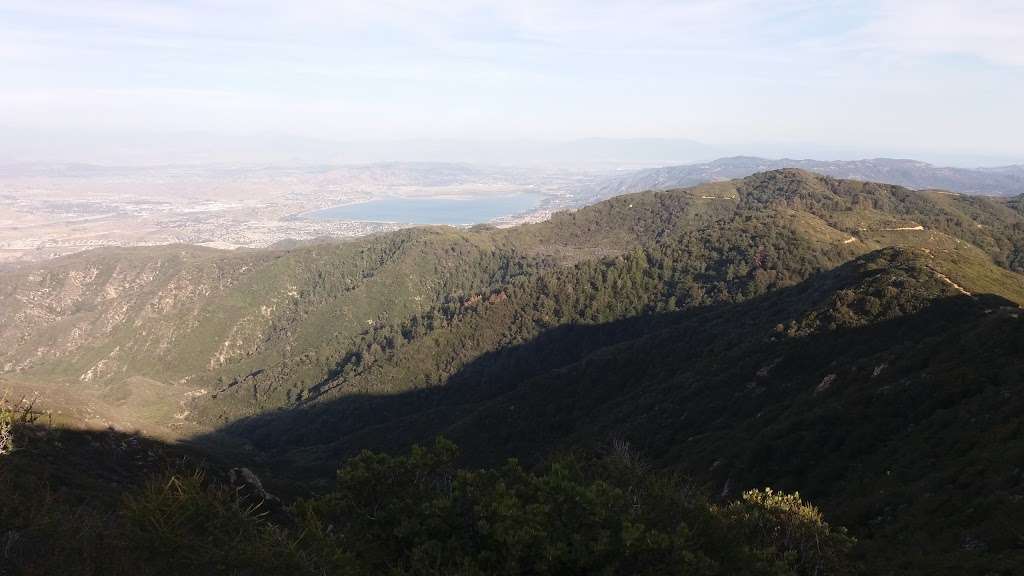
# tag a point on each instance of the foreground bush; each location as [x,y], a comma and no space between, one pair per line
[419,514]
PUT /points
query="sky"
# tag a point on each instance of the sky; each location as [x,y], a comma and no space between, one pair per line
[935,78]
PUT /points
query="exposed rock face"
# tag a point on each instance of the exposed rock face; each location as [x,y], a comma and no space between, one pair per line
[86,311]
[195,318]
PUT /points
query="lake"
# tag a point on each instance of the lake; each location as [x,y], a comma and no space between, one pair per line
[455,211]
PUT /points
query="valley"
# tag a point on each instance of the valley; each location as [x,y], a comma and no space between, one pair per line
[50,211]
[787,329]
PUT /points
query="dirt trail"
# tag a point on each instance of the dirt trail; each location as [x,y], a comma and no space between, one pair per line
[915,228]
[946,279]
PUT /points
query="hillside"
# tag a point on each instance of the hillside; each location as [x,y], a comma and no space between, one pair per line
[830,387]
[858,342]
[999,181]
[84,503]
[177,339]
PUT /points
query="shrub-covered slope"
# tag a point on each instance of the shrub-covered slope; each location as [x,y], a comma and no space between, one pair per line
[202,337]
[83,503]
[859,342]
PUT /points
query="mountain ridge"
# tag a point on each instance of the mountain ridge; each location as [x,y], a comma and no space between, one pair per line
[204,320]
[859,342]
[998,181]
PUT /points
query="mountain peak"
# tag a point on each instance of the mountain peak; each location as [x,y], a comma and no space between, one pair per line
[1004,181]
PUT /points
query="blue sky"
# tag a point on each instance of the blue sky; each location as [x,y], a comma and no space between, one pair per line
[917,75]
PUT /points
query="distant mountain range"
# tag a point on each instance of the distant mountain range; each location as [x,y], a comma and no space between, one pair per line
[996,181]
[145,149]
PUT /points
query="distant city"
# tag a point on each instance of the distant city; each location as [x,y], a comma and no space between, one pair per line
[53,210]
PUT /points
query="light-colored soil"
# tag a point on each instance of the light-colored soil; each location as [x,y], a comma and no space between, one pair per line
[133,405]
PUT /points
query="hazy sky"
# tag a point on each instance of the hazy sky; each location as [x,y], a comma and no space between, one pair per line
[941,75]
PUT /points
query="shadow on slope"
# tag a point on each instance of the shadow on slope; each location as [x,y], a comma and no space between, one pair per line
[583,382]
[899,412]
[410,514]
[875,388]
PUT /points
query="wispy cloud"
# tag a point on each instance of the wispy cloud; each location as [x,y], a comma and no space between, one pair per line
[990,30]
[706,69]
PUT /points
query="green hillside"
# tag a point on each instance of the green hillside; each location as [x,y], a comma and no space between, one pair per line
[84,503]
[859,343]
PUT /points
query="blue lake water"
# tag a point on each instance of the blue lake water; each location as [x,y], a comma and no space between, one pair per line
[473,210]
